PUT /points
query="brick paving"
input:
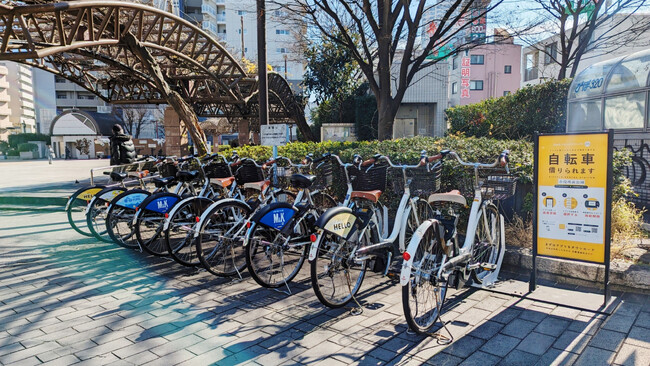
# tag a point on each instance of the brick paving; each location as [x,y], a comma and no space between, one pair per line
[66,299]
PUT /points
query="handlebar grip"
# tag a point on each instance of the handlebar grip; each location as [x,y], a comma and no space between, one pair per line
[236,163]
[431,159]
[368,162]
[316,161]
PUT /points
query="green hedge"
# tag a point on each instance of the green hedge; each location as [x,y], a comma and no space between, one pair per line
[21,138]
[539,108]
[27,146]
[13,152]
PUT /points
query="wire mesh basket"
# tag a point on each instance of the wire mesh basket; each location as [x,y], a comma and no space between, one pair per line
[217,170]
[497,186]
[280,176]
[248,173]
[424,181]
[324,173]
[167,169]
[368,179]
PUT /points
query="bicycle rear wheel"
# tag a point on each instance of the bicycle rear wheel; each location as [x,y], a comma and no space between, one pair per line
[119,218]
[179,236]
[335,276]
[76,208]
[423,296]
[148,231]
[220,242]
[274,259]
[97,210]
[487,243]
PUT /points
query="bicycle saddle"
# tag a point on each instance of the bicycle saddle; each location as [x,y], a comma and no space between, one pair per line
[162,182]
[451,197]
[185,176]
[302,180]
[118,177]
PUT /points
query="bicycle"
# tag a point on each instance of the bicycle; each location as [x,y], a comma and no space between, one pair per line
[122,209]
[222,226]
[181,223]
[149,219]
[434,259]
[277,238]
[348,237]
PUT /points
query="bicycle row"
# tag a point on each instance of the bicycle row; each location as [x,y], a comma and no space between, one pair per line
[233,214]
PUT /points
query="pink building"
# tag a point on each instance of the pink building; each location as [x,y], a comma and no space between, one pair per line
[486,71]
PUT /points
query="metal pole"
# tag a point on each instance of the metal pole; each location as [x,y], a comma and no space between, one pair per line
[285,66]
[532,284]
[261,63]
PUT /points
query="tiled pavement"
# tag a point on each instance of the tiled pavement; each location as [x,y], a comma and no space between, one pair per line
[65,299]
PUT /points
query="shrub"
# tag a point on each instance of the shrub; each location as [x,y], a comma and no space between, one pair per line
[13,152]
[27,146]
[539,108]
[20,138]
[4,147]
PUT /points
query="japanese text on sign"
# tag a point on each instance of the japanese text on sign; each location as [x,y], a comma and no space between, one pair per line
[571,193]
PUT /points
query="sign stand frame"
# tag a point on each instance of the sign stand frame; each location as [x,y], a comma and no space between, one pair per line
[532,284]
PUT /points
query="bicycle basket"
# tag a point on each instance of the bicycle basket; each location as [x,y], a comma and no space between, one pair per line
[248,173]
[324,173]
[497,185]
[368,179]
[167,169]
[217,170]
[423,181]
[280,176]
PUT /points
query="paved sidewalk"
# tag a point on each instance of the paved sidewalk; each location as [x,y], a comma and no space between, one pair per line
[66,299]
[24,175]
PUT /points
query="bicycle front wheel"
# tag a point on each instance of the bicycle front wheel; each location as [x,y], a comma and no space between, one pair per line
[76,208]
[148,231]
[220,244]
[179,236]
[274,259]
[336,276]
[487,243]
[424,294]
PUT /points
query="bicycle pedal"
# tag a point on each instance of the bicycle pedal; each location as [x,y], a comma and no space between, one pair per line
[488,266]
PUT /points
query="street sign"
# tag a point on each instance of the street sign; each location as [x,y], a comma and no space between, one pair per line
[573,188]
[274,135]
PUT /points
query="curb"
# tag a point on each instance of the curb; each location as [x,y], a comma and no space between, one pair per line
[33,201]
[622,276]
[47,208]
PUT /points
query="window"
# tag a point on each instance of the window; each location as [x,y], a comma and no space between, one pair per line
[239,31]
[454,63]
[476,85]
[85,96]
[477,59]
[241,12]
[507,69]
[507,92]
[625,111]
[61,95]
[454,88]
[281,50]
[550,53]
[58,79]
[280,69]
[280,13]
[282,31]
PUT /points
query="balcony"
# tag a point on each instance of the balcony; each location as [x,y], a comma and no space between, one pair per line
[220,2]
[531,74]
[221,18]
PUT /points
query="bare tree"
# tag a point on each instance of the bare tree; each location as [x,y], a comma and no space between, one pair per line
[137,118]
[384,27]
[581,26]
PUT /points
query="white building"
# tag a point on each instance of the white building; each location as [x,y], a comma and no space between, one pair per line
[21,97]
[5,112]
[228,19]
[538,66]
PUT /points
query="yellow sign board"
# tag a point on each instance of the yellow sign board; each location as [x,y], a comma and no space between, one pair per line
[572,176]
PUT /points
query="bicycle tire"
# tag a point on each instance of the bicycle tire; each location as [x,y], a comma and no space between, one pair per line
[333,251]
[421,312]
[485,252]
[179,235]
[260,258]
[220,242]
[97,210]
[76,206]
[150,222]
[119,218]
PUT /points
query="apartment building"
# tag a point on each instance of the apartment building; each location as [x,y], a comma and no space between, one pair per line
[21,97]
[235,24]
[538,64]
[5,112]
[486,71]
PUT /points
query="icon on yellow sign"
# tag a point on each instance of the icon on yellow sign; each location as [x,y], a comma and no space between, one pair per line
[549,202]
[570,203]
[592,204]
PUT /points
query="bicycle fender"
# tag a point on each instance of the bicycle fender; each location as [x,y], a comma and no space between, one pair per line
[207,211]
[160,202]
[412,247]
[249,232]
[338,221]
[131,199]
[107,194]
[275,215]
[402,233]
[84,194]
[313,250]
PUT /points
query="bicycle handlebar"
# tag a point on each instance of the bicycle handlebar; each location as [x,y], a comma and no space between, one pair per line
[502,161]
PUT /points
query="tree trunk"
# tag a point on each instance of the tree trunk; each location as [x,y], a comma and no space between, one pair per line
[386,116]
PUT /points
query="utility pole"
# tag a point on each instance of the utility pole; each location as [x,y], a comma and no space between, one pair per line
[242,37]
[285,66]
[261,63]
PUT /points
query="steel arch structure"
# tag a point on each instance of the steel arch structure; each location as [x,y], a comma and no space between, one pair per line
[84,43]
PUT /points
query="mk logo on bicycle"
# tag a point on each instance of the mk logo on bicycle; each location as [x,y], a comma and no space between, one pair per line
[278,218]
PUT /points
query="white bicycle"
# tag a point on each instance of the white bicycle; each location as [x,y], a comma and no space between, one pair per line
[434,259]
